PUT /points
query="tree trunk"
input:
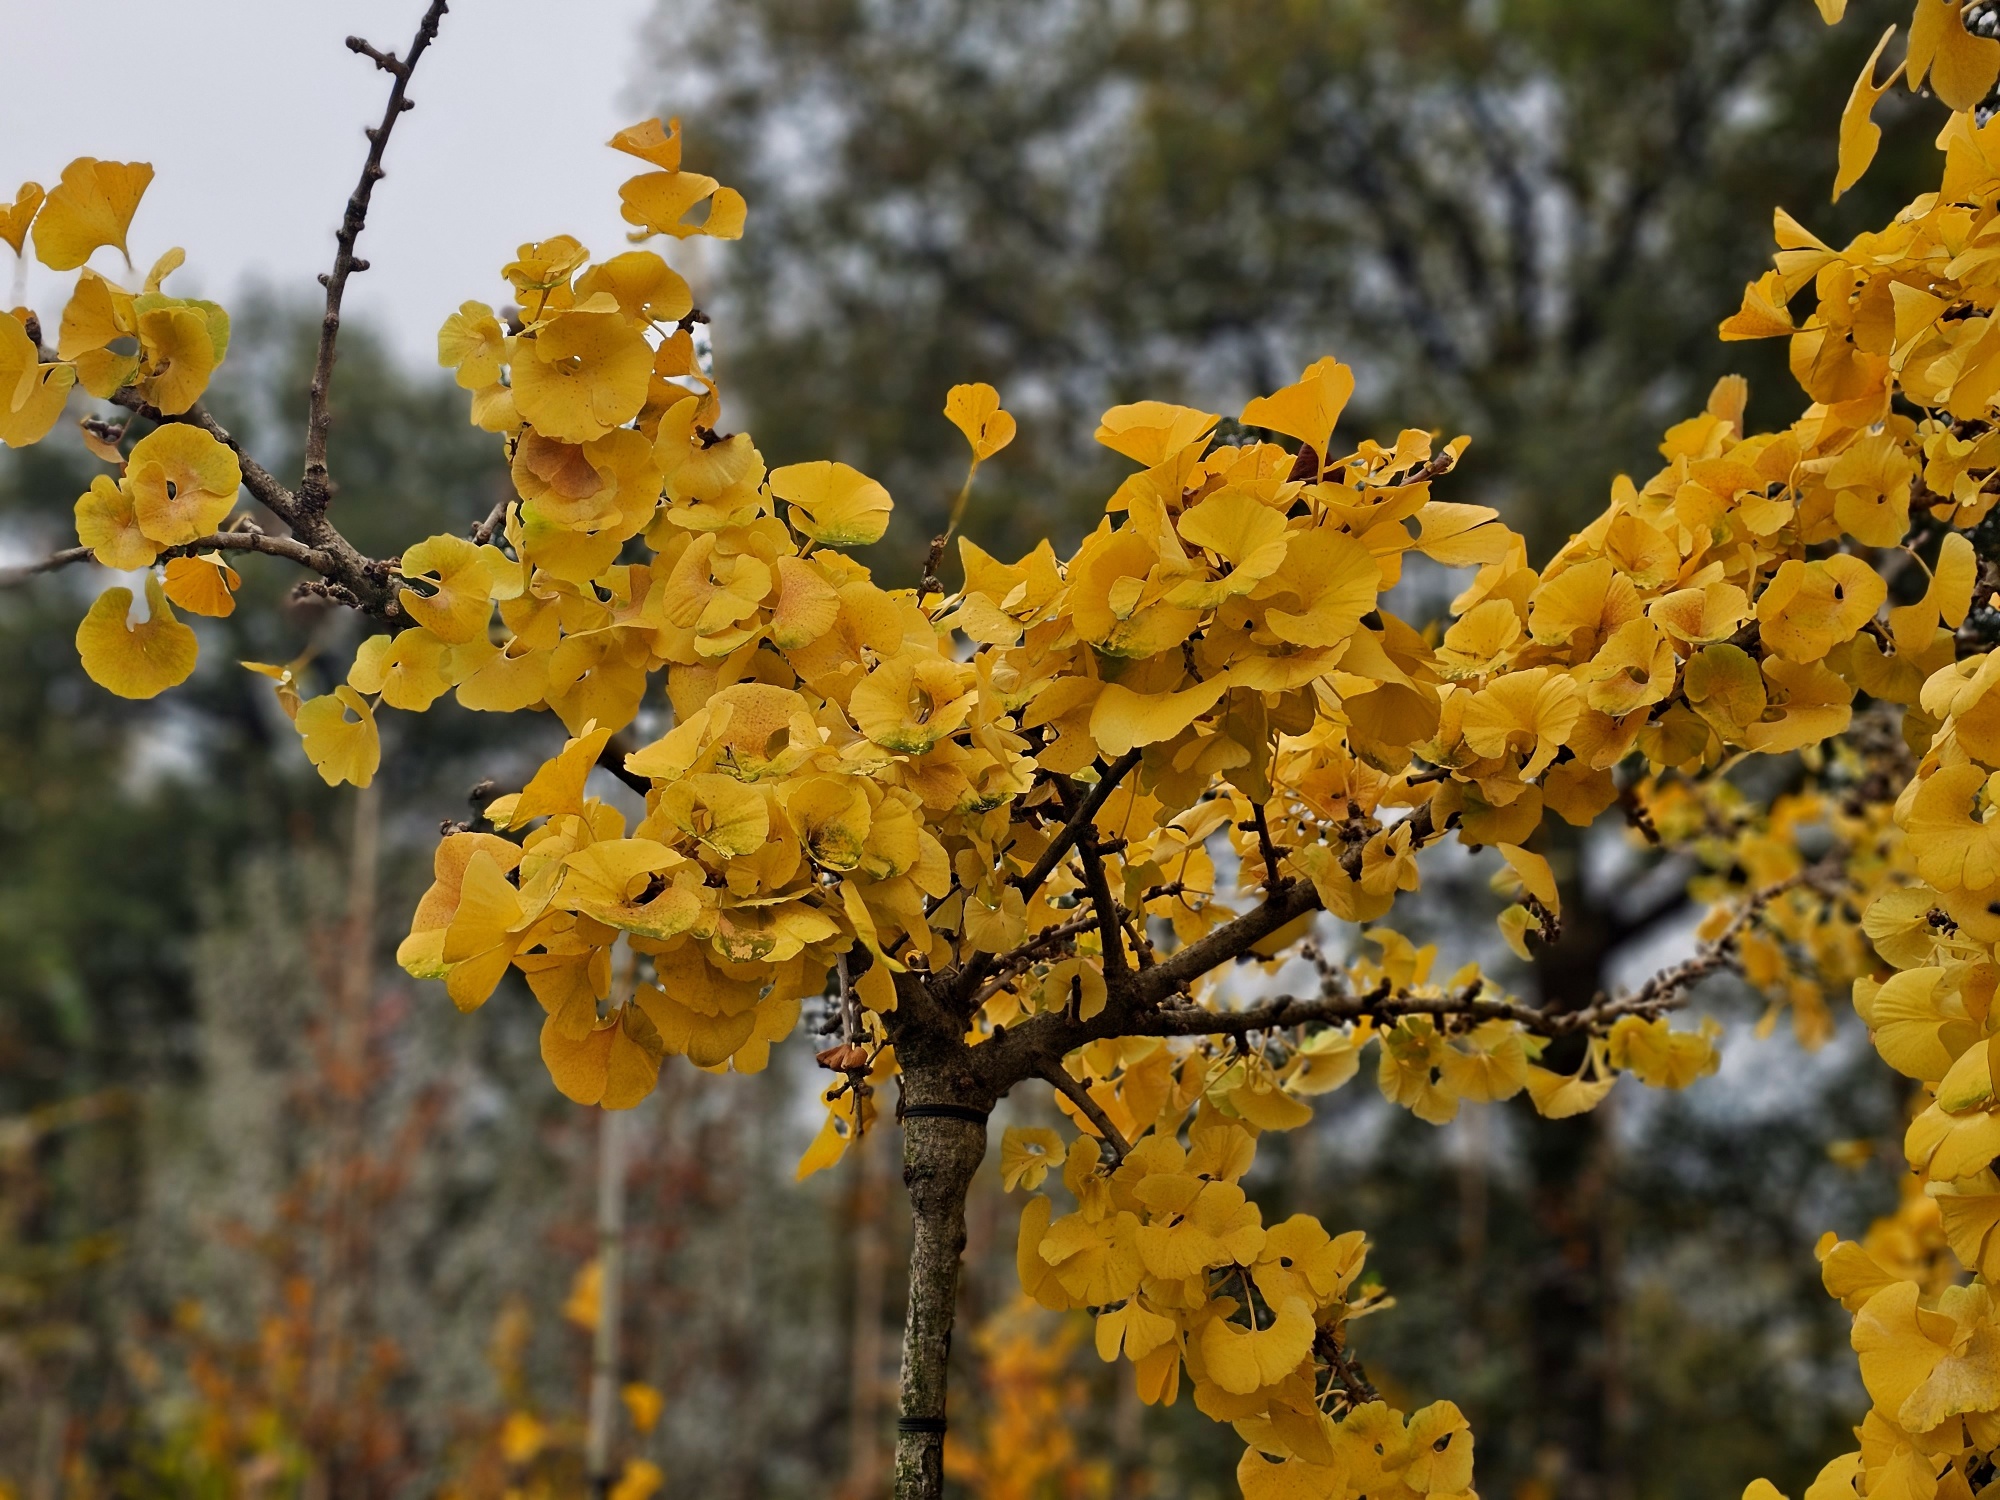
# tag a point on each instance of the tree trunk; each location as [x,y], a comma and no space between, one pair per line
[871,1266]
[940,1154]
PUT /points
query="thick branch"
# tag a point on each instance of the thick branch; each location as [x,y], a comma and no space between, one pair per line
[612,758]
[1228,942]
[313,488]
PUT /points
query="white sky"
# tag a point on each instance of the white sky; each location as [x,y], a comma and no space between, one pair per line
[251,112]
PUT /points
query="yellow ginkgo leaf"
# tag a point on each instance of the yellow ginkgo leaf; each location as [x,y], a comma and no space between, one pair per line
[410,670]
[615,1065]
[135,661]
[643,1403]
[1026,1154]
[107,524]
[1810,607]
[472,342]
[975,411]
[1557,1096]
[1242,1361]
[463,580]
[284,682]
[183,483]
[1123,719]
[1308,409]
[1961,67]
[183,343]
[558,786]
[15,217]
[1859,134]
[1150,432]
[652,142]
[1326,583]
[1763,314]
[582,375]
[729,816]
[833,504]
[341,749]
[911,702]
[658,202]
[641,1478]
[647,289]
[204,584]
[1830,11]
[91,207]
[31,393]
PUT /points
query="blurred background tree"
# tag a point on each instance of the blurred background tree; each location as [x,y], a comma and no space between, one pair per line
[1518,218]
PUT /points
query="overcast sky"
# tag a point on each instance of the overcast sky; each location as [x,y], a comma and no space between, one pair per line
[251,112]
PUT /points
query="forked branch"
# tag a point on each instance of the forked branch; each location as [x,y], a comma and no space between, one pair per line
[1079,818]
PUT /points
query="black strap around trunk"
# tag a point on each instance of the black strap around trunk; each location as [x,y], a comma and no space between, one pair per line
[944,1112]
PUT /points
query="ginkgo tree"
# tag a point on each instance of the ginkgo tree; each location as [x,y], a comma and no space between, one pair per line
[1049,825]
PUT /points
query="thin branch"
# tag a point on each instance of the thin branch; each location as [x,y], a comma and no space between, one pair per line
[1108,911]
[1272,879]
[1063,1082]
[1667,990]
[1079,818]
[221,541]
[313,489]
[22,572]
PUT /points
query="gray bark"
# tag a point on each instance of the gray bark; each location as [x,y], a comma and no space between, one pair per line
[939,1158]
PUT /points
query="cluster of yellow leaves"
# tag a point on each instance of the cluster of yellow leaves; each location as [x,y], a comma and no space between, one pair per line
[177,484]
[1957,64]
[1182,1274]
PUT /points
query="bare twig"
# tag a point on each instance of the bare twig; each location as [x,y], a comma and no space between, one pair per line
[24,571]
[1022,958]
[313,488]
